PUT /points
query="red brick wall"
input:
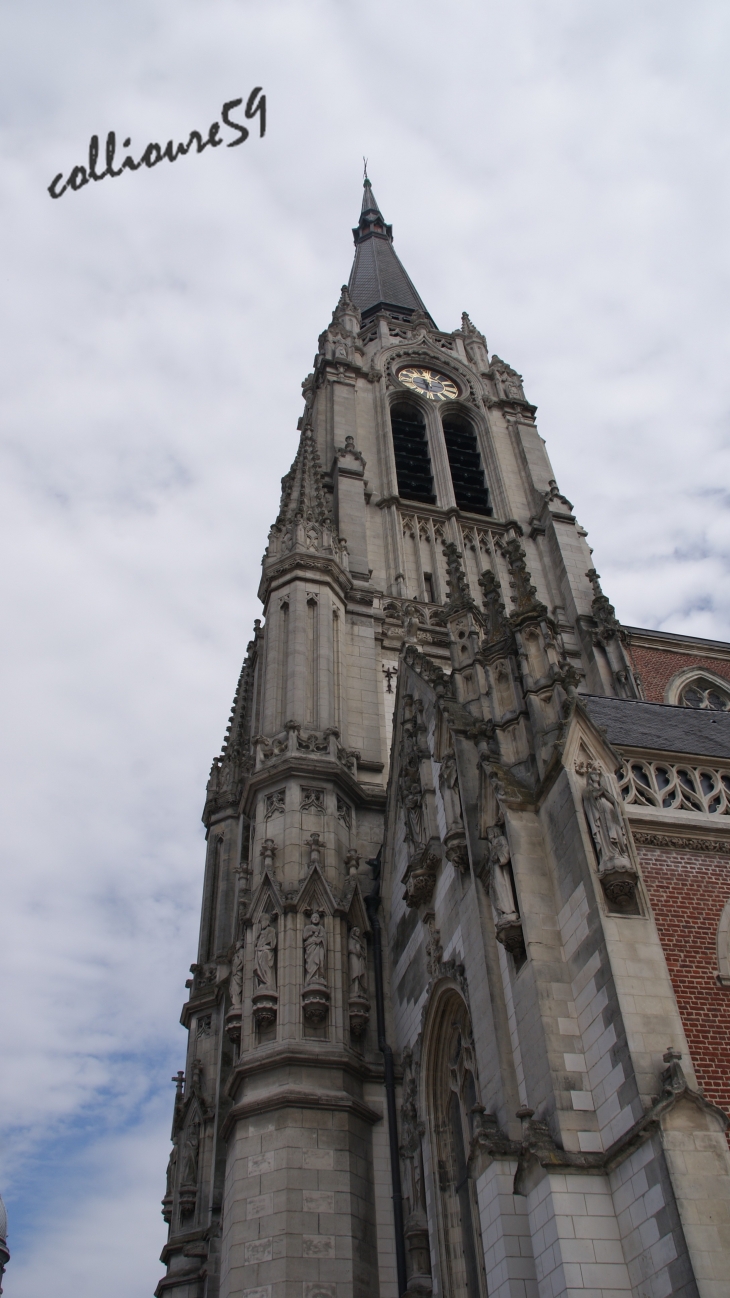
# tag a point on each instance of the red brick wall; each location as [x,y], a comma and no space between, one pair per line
[688,891]
[657,667]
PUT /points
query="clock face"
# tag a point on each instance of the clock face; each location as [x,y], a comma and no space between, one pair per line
[431,384]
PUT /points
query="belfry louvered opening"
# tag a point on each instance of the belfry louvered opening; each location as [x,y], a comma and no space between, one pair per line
[412,460]
[467,475]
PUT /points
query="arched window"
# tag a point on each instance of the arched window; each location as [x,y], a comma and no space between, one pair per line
[467,474]
[412,460]
[452,1101]
[699,692]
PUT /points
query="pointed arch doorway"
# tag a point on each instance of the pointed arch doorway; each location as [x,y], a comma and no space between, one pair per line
[451,1097]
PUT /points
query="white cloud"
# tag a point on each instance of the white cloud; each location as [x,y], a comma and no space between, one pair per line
[558,170]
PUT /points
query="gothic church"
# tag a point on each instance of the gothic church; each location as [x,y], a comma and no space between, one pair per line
[459,1023]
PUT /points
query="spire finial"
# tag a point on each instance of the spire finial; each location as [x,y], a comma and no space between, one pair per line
[365,180]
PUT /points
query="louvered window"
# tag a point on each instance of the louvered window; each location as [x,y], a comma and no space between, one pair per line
[467,475]
[412,460]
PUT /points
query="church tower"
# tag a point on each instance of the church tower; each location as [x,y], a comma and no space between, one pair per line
[437,1037]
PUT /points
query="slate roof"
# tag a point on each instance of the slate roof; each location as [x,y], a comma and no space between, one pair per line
[378,279]
[633,724]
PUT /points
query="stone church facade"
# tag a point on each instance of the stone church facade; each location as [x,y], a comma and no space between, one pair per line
[459,1023]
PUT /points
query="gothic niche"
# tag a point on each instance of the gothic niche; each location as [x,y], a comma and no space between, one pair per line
[315,992]
[265,995]
[414,1195]
[359,1003]
[616,870]
[189,1168]
[424,858]
[235,988]
[453,1109]
[455,838]
[170,1185]
[500,884]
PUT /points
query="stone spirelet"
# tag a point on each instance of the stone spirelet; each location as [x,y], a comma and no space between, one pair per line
[154,153]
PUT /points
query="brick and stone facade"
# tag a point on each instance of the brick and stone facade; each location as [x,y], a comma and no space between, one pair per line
[658,659]
[460,1016]
[689,890]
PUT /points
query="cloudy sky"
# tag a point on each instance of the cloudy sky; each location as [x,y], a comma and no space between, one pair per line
[557,168]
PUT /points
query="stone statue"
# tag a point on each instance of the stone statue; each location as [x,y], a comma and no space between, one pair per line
[314,845]
[500,880]
[605,821]
[264,955]
[315,951]
[410,622]
[170,1174]
[449,784]
[410,1149]
[357,954]
[190,1154]
[236,981]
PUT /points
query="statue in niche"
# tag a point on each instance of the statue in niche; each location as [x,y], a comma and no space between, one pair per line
[315,847]
[449,782]
[416,1220]
[170,1174]
[352,862]
[236,981]
[411,1133]
[501,891]
[265,955]
[410,622]
[357,956]
[190,1153]
[315,951]
[413,804]
[605,821]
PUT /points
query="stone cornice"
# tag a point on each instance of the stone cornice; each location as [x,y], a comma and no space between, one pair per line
[299,1097]
[626,752]
[538,1149]
[181,1240]
[301,564]
[198,1004]
[670,642]
[302,1055]
[311,765]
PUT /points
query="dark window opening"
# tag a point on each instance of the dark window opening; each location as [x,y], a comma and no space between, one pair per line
[428,583]
[412,461]
[467,474]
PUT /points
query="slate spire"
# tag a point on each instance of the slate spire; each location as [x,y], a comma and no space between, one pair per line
[378,281]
